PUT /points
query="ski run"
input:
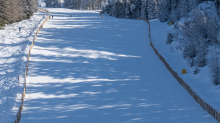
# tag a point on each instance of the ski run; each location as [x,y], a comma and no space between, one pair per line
[88,69]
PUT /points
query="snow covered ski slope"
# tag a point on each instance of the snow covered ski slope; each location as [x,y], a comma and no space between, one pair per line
[14,49]
[88,69]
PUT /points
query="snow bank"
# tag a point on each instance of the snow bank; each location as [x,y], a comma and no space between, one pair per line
[14,48]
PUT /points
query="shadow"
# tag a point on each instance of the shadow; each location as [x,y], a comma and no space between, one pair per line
[88,69]
[14,48]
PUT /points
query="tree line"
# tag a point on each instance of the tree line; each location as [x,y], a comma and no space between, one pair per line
[16,10]
[151,9]
[75,4]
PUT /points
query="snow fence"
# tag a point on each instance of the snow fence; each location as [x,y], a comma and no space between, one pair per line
[199,100]
[18,116]
[101,14]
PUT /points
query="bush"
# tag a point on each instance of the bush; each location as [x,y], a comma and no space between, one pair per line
[169,38]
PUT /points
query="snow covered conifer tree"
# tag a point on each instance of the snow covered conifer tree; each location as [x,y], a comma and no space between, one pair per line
[190,53]
[192,4]
[212,28]
[174,13]
[15,10]
[113,8]
[56,3]
[108,7]
[48,3]
[135,8]
[66,3]
[164,10]
[53,3]
[215,66]
[120,9]
[127,8]
[117,9]
[217,2]
[31,7]
[144,11]
[132,10]
[2,13]
[183,8]
[152,9]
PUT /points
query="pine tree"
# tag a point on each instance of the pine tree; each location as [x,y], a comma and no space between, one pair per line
[120,9]
[215,66]
[212,28]
[135,8]
[48,3]
[144,11]
[164,10]
[66,3]
[217,2]
[127,8]
[15,10]
[3,18]
[113,8]
[183,8]
[174,13]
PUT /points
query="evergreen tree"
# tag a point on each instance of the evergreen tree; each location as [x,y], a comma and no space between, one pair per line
[174,13]
[164,10]
[112,8]
[215,66]
[15,10]
[217,2]
[120,13]
[144,11]
[136,8]
[127,8]
[53,3]
[184,8]
[212,28]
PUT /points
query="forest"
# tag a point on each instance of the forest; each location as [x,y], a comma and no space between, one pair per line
[16,10]
[76,4]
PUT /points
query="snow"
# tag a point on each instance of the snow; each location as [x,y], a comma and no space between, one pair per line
[88,69]
[201,83]
[14,48]
[208,7]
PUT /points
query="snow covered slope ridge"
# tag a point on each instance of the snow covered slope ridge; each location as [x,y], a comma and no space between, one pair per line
[18,116]
[203,104]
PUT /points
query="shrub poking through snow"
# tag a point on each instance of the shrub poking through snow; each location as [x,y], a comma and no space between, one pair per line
[169,38]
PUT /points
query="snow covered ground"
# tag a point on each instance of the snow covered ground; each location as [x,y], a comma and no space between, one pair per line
[14,48]
[201,83]
[88,69]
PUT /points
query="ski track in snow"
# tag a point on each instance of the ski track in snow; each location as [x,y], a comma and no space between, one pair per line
[14,48]
[88,69]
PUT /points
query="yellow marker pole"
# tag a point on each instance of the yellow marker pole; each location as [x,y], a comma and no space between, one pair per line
[171,23]
[183,71]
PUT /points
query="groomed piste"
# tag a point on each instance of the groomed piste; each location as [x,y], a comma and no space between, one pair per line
[89,69]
